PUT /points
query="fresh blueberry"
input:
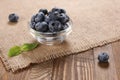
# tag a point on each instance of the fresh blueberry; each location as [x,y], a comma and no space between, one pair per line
[58,10]
[41,26]
[50,15]
[45,11]
[47,19]
[103,57]
[62,11]
[55,26]
[40,17]
[33,18]
[55,9]
[32,25]
[65,26]
[54,15]
[63,18]
[13,17]
[40,14]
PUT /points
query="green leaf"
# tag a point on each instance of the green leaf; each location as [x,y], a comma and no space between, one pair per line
[14,51]
[28,46]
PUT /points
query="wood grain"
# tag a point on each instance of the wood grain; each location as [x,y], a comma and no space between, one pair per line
[74,67]
[116,53]
[82,66]
[105,71]
[41,71]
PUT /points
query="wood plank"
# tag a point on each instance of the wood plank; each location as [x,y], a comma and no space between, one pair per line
[105,71]
[5,75]
[41,71]
[74,67]
[116,53]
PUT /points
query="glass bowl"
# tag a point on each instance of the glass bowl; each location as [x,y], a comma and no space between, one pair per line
[49,38]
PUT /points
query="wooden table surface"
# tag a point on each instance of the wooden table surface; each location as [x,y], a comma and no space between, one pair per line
[82,66]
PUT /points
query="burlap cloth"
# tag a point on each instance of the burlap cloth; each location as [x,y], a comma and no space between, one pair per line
[95,23]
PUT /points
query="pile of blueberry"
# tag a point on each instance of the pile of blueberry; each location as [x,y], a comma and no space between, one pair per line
[53,21]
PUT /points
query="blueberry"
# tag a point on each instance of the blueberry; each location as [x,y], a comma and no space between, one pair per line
[62,11]
[50,15]
[33,18]
[32,25]
[13,17]
[65,26]
[54,15]
[63,18]
[55,26]
[40,14]
[45,11]
[40,17]
[58,10]
[103,57]
[55,9]
[41,26]
[47,19]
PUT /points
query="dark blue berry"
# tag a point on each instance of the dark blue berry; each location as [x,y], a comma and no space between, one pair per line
[47,19]
[54,15]
[62,11]
[13,17]
[40,17]
[33,18]
[63,18]
[32,25]
[42,27]
[45,11]
[55,26]
[59,10]
[103,57]
[55,9]
[40,14]
[65,26]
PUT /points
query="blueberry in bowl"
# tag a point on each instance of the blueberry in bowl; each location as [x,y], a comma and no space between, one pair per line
[50,27]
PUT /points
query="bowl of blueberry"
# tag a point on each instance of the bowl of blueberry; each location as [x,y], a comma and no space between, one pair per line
[50,27]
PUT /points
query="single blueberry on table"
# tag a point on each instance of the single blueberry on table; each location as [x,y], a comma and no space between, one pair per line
[55,26]
[45,11]
[41,26]
[103,57]
[13,17]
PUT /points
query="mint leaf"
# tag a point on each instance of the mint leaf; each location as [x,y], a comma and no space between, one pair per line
[14,51]
[28,46]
